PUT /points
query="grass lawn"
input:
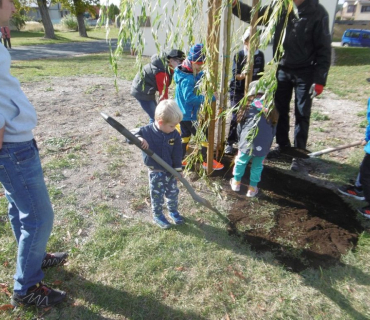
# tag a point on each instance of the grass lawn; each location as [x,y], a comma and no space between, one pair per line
[128,269]
[27,38]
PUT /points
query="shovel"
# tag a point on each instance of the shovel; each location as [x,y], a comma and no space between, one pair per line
[121,129]
[305,154]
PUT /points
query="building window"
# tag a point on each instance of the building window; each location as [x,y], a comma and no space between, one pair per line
[351,8]
[144,21]
[365,9]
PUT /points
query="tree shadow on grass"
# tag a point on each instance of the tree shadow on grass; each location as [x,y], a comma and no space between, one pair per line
[95,300]
[320,279]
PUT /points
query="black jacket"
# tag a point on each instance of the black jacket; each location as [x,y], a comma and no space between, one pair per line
[236,87]
[307,42]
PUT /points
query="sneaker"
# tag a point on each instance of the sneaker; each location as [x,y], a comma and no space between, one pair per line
[216,165]
[297,165]
[235,185]
[229,149]
[39,295]
[352,192]
[184,163]
[176,218]
[162,221]
[365,211]
[54,259]
[252,192]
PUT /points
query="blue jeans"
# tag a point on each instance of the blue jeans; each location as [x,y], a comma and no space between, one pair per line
[30,212]
[149,108]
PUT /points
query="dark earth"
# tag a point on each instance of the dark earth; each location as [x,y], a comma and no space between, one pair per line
[315,224]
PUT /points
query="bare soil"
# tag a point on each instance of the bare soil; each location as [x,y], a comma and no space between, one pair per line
[313,225]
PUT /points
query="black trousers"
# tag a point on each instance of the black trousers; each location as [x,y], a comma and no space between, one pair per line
[7,43]
[233,135]
[189,128]
[365,177]
[299,80]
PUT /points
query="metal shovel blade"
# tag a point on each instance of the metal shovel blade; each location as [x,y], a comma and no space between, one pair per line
[121,129]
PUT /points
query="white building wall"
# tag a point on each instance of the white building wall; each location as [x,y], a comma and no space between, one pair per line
[200,27]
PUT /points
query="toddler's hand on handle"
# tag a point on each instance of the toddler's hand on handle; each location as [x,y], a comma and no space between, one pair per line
[315,90]
[144,143]
[364,142]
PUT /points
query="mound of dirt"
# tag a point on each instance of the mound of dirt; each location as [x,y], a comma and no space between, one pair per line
[305,225]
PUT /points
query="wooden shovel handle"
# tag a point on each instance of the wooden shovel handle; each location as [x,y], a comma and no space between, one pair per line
[328,150]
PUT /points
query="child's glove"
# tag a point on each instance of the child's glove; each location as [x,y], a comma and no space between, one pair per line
[315,90]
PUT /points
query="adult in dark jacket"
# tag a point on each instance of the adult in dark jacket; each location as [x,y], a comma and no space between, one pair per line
[237,84]
[156,76]
[303,67]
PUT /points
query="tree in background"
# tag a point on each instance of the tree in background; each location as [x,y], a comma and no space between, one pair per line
[45,18]
[78,8]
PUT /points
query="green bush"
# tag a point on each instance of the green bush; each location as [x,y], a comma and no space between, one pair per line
[70,22]
[18,20]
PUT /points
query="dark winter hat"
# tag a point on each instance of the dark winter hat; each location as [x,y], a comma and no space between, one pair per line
[176,54]
[196,54]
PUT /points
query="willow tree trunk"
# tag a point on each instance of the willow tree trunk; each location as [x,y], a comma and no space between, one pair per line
[81,25]
[46,21]
[252,48]
[213,41]
[224,78]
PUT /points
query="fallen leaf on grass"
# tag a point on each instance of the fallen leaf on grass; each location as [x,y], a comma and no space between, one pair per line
[232,296]
[6,263]
[4,288]
[5,307]
[180,268]
[57,282]
[239,275]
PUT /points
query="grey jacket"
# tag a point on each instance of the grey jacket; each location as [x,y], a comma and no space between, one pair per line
[144,85]
[261,144]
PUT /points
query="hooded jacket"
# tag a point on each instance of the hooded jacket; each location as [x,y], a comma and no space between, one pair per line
[155,76]
[307,41]
[186,95]
[16,112]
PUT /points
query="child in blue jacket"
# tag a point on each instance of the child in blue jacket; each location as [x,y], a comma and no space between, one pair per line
[361,191]
[187,77]
[162,138]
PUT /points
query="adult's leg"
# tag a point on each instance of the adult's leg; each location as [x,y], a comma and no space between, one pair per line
[241,162]
[232,136]
[365,177]
[149,108]
[10,45]
[5,43]
[303,103]
[30,209]
[283,95]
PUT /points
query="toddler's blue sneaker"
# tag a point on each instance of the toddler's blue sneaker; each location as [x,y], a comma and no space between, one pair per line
[161,221]
[176,218]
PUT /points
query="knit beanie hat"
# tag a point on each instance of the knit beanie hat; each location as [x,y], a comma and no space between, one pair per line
[196,54]
[176,54]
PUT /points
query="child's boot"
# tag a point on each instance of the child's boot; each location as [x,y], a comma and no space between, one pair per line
[161,221]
